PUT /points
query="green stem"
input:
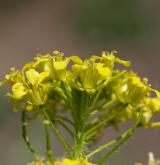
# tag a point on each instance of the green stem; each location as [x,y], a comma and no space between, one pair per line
[96,126]
[95,99]
[93,113]
[109,103]
[79,145]
[94,133]
[101,148]
[123,138]
[60,137]
[48,140]
[65,127]
[25,134]
[80,122]
[65,119]
[99,125]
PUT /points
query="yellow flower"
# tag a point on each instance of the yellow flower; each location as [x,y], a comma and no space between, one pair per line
[94,73]
[150,106]
[32,76]
[73,162]
[19,91]
[14,76]
[40,163]
[35,78]
[152,103]
[88,76]
[63,162]
[60,69]
[41,60]
[41,64]
[104,71]
[110,59]
[131,89]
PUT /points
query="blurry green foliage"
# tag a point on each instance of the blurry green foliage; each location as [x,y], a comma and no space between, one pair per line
[103,19]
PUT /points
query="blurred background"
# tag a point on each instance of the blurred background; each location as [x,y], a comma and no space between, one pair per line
[29,27]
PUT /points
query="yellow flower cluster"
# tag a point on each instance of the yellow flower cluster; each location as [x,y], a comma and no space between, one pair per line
[32,85]
[73,162]
[136,93]
[52,79]
[95,93]
[63,162]
[40,163]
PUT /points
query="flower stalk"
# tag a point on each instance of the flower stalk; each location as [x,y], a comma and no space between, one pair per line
[50,155]
[60,137]
[25,135]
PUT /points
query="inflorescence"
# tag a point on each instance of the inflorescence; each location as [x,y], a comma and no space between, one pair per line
[95,94]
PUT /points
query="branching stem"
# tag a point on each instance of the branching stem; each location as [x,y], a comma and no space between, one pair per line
[58,134]
[123,138]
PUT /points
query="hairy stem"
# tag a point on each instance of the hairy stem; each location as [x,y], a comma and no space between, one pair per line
[80,121]
[48,140]
[58,134]
[99,125]
[101,148]
[25,134]
[65,127]
[65,119]
[123,138]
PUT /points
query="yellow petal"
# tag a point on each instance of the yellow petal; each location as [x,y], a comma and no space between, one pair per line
[19,90]
[76,59]
[77,67]
[103,71]
[41,59]
[125,63]
[43,76]
[73,162]
[27,66]
[136,81]
[60,65]
[32,76]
